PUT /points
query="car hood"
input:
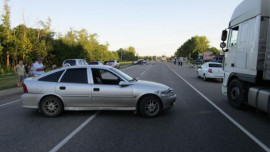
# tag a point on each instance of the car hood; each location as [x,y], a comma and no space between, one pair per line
[151,84]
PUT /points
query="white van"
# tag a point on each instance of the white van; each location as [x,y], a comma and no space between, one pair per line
[74,62]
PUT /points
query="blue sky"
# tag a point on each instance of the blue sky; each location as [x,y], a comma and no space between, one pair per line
[153,27]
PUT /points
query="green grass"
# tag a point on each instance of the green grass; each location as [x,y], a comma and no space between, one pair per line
[8,83]
[7,75]
[125,63]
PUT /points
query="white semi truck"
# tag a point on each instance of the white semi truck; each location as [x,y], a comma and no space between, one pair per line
[247,56]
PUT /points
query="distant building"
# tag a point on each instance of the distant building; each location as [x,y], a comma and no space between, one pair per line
[208,55]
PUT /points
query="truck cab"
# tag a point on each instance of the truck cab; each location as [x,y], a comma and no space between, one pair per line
[247,55]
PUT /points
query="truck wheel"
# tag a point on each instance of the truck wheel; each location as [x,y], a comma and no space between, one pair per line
[235,93]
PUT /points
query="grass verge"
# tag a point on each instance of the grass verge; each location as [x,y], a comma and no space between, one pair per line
[7,83]
[125,63]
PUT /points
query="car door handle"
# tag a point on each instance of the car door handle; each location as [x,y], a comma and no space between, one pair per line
[62,88]
[96,89]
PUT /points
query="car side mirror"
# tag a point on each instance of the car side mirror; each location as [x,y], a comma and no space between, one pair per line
[124,84]
[224,35]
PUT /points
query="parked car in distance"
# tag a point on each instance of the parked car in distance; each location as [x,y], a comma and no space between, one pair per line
[135,62]
[210,70]
[95,63]
[113,63]
[95,87]
[74,62]
[140,61]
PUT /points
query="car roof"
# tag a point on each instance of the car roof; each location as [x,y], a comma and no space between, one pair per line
[86,66]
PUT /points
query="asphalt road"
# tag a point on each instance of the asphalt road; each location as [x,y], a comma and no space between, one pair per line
[201,120]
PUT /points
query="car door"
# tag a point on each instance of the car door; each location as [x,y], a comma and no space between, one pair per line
[107,92]
[74,88]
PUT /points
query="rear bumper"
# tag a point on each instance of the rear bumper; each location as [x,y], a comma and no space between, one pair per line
[168,102]
[30,100]
[214,76]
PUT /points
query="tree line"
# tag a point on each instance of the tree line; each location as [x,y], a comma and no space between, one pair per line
[195,45]
[27,43]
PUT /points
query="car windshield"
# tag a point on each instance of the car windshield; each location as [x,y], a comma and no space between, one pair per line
[71,62]
[215,65]
[125,76]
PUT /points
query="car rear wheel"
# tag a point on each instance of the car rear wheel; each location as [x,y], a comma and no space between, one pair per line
[204,77]
[150,107]
[51,106]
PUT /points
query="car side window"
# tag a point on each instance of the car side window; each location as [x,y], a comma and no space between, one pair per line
[101,76]
[78,75]
[54,77]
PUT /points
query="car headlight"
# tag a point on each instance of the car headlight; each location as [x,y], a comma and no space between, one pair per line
[166,93]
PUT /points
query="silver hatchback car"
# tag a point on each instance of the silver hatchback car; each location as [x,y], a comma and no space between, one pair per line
[94,87]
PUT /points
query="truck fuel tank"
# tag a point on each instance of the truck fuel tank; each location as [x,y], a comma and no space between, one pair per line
[259,98]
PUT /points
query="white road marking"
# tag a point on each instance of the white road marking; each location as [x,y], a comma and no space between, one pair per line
[256,140]
[144,72]
[73,133]
[2,105]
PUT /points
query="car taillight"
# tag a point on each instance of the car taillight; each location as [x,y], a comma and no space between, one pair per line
[24,88]
[210,70]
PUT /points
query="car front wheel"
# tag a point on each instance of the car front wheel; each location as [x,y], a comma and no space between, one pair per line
[51,106]
[150,107]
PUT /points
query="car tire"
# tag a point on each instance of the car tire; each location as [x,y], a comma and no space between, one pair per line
[235,93]
[150,107]
[51,106]
[204,77]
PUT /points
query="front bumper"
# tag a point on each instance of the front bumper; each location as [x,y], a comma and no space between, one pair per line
[168,101]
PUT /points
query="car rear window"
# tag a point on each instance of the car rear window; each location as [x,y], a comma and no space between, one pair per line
[71,62]
[215,65]
[75,76]
[54,77]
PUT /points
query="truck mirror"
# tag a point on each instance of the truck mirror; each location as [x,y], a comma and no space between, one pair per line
[222,45]
[224,35]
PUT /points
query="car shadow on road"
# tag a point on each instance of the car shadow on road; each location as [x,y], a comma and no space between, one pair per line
[212,80]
